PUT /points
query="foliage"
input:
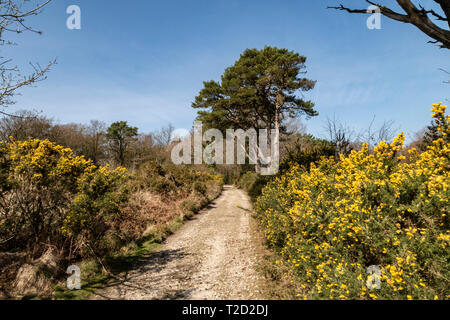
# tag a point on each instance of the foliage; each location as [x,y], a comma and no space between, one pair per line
[432,133]
[96,205]
[120,134]
[172,179]
[258,89]
[13,20]
[49,195]
[334,221]
[199,187]
[417,16]
[305,150]
[309,150]
[253,183]
[89,140]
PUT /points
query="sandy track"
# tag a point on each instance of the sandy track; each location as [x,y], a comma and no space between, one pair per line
[212,256]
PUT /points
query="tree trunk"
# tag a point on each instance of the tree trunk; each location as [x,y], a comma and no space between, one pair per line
[258,166]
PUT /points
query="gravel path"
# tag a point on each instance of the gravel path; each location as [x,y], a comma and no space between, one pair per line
[212,256]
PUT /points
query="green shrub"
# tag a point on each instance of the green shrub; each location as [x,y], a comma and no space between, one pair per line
[50,195]
[253,183]
[199,187]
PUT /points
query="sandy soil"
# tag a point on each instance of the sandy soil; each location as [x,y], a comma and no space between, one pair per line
[212,256]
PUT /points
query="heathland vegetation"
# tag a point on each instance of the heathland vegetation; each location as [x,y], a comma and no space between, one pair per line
[386,207]
[62,206]
[349,216]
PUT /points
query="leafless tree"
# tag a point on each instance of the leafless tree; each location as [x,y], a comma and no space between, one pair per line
[163,137]
[373,135]
[417,16]
[71,135]
[12,20]
[295,126]
[95,133]
[25,124]
[386,131]
[295,129]
[340,135]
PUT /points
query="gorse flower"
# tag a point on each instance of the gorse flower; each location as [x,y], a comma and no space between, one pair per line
[382,208]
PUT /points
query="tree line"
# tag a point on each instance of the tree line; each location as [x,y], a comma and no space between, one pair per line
[118,144]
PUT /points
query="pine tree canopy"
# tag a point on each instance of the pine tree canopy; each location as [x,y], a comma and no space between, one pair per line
[259,91]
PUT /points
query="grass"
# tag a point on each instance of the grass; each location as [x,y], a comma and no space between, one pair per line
[276,283]
[279,284]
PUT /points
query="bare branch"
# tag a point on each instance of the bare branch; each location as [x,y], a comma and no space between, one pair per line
[415,16]
[433,13]
[12,19]
[384,10]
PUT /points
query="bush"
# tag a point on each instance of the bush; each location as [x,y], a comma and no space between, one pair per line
[48,195]
[189,207]
[252,183]
[174,180]
[95,206]
[333,222]
[142,215]
[311,150]
[199,187]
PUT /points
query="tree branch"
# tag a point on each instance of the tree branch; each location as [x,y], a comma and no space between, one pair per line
[417,17]
[443,70]
[432,12]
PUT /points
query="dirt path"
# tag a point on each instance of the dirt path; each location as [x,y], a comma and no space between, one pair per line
[212,256]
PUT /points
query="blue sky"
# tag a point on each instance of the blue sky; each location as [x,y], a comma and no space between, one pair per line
[144,61]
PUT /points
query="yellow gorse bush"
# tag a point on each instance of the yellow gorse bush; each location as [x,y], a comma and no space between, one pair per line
[46,163]
[370,208]
[47,193]
[100,194]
